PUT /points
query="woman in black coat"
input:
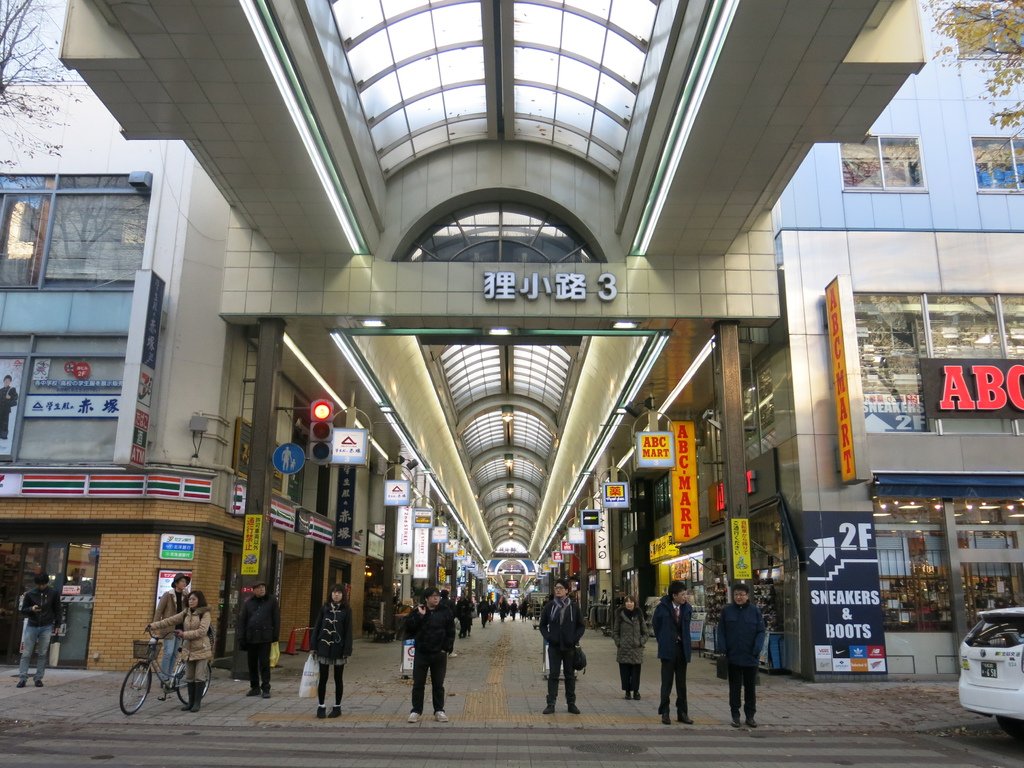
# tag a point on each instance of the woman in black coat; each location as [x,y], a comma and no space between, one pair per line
[332,644]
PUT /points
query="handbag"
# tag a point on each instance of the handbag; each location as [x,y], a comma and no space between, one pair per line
[310,676]
[54,656]
[722,667]
[275,654]
[579,661]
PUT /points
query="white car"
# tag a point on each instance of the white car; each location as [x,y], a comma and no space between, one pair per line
[992,669]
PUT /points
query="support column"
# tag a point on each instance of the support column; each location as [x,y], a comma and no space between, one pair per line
[957,602]
[388,569]
[734,464]
[264,418]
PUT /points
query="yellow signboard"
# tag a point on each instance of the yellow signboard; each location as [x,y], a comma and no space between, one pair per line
[252,534]
[663,548]
[685,506]
[654,449]
[741,568]
[840,376]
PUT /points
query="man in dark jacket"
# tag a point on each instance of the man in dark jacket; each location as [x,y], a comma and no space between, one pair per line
[671,624]
[740,637]
[561,625]
[258,626]
[464,613]
[432,626]
[41,606]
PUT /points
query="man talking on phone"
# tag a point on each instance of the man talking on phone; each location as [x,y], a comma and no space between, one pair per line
[432,626]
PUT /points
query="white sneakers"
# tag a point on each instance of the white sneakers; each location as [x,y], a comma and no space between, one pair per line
[440,716]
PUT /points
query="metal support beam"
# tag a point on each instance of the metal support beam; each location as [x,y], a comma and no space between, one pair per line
[734,469]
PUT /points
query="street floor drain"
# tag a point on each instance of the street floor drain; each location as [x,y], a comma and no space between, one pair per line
[611,748]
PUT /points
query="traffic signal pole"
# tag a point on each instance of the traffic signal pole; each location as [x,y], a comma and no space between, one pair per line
[259,483]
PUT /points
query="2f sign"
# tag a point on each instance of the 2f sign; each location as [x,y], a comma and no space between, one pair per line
[855,537]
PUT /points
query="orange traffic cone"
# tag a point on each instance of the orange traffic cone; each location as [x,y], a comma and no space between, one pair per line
[305,639]
[290,648]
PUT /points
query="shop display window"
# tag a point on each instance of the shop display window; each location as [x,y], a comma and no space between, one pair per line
[988,525]
[890,340]
[913,566]
[991,585]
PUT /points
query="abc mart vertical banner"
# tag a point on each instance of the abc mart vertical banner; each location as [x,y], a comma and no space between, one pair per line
[846,382]
[685,505]
[139,370]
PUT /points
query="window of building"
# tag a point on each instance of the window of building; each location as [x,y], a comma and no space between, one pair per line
[78,230]
[998,164]
[501,233]
[1013,325]
[882,163]
[913,566]
[989,525]
[890,340]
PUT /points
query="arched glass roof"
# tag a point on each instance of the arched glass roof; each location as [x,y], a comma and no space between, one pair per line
[514,234]
[431,74]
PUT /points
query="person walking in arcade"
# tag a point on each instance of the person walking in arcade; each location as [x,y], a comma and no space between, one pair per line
[671,624]
[561,625]
[740,637]
[332,643]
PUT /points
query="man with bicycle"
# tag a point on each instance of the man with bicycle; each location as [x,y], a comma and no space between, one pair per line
[172,603]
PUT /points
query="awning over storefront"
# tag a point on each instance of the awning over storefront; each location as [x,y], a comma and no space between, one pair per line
[966,485]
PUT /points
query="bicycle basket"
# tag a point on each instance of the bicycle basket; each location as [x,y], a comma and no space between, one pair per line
[140,649]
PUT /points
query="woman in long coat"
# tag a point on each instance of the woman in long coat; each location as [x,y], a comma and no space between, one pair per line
[332,642]
[630,635]
[195,649]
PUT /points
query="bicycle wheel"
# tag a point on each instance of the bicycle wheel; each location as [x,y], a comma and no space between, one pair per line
[209,679]
[135,688]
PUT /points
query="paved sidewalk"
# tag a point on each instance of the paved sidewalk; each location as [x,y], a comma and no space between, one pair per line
[496,682]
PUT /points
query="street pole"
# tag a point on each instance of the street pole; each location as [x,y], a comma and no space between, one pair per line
[734,464]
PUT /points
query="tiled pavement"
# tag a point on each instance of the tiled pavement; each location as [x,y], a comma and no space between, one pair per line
[496,682]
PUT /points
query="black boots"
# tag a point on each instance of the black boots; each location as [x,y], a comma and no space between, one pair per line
[191,697]
[198,687]
[335,711]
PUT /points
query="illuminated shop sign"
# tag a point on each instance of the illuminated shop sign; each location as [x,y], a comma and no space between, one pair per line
[973,389]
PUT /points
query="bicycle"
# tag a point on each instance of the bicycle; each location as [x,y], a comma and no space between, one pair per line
[137,682]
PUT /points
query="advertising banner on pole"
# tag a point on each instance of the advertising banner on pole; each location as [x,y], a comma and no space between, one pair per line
[421,554]
[252,531]
[847,615]
[343,533]
[403,530]
[590,519]
[654,450]
[741,568]
[602,544]
[685,504]
[439,534]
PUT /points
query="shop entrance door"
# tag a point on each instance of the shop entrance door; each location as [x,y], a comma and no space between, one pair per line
[991,585]
[18,564]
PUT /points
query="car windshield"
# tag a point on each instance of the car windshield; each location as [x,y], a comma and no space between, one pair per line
[996,631]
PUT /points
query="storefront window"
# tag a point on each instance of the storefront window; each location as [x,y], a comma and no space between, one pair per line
[991,585]
[988,524]
[890,340]
[1013,322]
[913,566]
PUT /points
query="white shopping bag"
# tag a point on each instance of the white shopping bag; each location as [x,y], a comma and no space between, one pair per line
[310,675]
[54,659]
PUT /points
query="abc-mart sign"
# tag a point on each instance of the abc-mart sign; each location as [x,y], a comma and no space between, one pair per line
[973,389]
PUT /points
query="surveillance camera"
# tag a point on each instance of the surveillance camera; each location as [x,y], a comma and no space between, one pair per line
[708,414]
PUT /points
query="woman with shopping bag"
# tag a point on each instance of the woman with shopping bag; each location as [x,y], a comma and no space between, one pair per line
[332,645]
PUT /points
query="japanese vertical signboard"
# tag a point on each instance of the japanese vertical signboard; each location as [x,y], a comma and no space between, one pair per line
[252,531]
[654,450]
[139,370]
[343,534]
[403,530]
[846,386]
[847,616]
[602,545]
[421,554]
[741,568]
[685,517]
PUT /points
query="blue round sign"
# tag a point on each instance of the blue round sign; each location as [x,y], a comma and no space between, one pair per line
[289,459]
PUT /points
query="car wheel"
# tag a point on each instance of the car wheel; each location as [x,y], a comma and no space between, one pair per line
[1012,726]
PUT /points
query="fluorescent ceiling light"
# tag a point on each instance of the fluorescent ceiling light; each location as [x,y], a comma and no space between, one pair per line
[499,332]
[263,26]
[708,50]
[624,325]
[373,322]
[698,361]
[355,361]
[627,457]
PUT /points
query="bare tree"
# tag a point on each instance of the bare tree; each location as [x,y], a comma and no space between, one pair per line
[27,63]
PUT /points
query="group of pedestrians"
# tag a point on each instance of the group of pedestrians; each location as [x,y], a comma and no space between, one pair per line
[183,620]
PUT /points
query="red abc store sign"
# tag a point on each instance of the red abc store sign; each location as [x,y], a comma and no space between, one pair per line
[973,389]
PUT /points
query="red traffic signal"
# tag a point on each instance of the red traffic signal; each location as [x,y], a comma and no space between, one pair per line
[321,432]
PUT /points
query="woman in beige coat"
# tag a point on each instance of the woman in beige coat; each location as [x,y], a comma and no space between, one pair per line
[195,644]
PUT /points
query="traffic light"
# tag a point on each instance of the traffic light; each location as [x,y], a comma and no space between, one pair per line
[321,432]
